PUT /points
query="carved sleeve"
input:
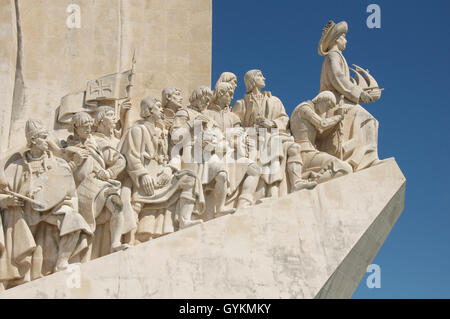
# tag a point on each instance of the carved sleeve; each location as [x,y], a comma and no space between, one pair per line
[281,119]
[132,149]
[341,81]
[117,166]
[239,110]
[180,127]
[3,198]
[321,124]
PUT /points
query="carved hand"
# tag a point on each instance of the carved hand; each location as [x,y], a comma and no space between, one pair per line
[125,106]
[103,175]
[12,201]
[164,177]
[339,118]
[147,184]
[238,131]
[365,97]
[80,157]
[267,123]
[259,120]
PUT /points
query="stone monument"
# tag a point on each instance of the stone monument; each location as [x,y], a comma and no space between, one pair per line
[105,199]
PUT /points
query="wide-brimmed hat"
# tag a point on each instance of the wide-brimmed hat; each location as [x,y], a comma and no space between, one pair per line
[331,32]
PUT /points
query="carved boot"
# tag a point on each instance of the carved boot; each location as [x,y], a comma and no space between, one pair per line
[114,204]
[295,172]
[66,247]
[221,195]
[185,212]
[244,201]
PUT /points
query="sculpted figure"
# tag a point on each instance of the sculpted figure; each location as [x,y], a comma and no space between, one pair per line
[105,137]
[309,120]
[171,102]
[243,172]
[277,151]
[357,142]
[42,227]
[162,193]
[96,164]
[195,131]
[227,77]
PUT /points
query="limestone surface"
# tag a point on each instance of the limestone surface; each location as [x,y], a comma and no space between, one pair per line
[44,57]
[312,243]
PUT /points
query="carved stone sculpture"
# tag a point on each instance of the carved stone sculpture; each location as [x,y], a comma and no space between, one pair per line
[243,172]
[105,137]
[96,165]
[203,149]
[112,185]
[279,153]
[309,120]
[227,77]
[162,193]
[42,229]
[357,141]
[171,100]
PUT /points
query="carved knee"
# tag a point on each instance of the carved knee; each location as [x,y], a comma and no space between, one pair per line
[222,177]
[294,153]
[253,170]
[114,204]
[187,182]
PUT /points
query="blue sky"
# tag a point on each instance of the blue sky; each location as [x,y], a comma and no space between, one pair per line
[409,56]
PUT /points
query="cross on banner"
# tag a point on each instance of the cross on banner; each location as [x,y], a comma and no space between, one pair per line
[109,87]
[100,88]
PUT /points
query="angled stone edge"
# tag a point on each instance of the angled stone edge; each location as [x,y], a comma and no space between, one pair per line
[308,244]
[344,281]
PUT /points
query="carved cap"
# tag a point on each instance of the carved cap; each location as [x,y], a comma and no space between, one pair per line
[331,32]
[34,127]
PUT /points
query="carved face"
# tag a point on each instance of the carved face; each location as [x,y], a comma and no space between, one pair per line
[225,98]
[341,42]
[233,82]
[260,80]
[40,142]
[157,111]
[176,99]
[84,130]
[204,102]
[109,120]
[324,106]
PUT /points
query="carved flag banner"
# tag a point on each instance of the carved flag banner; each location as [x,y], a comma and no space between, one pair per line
[70,104]
[109,87]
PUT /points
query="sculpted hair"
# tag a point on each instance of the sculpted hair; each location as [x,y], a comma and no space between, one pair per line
[249,79]
[222,88]
[324,96]
[167,93]
[81,118]
[226,77]
[101,113]
[199,92]
[147,104]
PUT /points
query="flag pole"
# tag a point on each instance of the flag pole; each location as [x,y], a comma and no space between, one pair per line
[125,120]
